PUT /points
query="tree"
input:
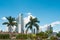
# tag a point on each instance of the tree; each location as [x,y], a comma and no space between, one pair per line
[32,23]
[58,34]
[11,22]
[49,32]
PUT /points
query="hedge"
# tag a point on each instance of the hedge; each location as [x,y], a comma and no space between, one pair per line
[4,36]
[21,36]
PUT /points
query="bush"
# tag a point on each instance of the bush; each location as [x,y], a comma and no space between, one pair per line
[4,36]
[53,38]
[31,36]
[42,35]
[21,36]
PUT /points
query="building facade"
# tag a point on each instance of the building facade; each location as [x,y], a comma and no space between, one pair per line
[20,24]
[49,28]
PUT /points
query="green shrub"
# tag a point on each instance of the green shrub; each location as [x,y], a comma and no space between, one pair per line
[32,36]
[42,35]
[53,38]
[21,36]
[4,36]
[25,36]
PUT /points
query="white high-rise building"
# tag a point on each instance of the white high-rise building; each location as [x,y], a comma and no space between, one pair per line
[49,28]
[20,24]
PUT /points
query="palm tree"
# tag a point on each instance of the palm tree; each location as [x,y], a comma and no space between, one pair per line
[32,23]
[11,22]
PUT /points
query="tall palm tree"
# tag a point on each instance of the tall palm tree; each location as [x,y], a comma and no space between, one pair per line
[32,23]
[11,22]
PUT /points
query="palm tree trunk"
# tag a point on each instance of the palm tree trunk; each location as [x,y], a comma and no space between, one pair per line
[9,29]
[34,31]
[27,31]
[37,31]
[16,29]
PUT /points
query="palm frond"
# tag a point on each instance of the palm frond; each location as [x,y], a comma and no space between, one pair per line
[37,26]
[36,20]
[30,26]
[27,24]
[10,21]
[27,28]
[14,23]
[31,18]
[5,23]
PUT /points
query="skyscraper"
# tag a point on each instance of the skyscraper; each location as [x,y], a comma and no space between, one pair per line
[49,28]
[20,24]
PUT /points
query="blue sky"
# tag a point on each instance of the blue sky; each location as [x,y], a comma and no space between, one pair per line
[47,11]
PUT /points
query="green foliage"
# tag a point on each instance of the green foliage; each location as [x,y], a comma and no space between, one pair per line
[58,34]
[4,36]
[42,35]
[25,36]
[21,36]
[32,36]
[49,31]
[53,38]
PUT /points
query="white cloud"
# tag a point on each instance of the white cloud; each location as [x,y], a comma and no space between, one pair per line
[56,30]
[27,19]
[55,23]
[29,14]
[44,26]
[52,24]
[3,18]
[6,30]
